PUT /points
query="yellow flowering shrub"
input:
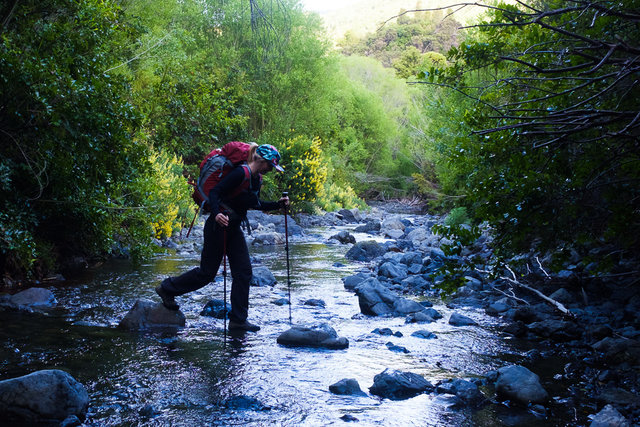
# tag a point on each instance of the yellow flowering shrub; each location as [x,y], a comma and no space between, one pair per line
[306,170]
[169,201]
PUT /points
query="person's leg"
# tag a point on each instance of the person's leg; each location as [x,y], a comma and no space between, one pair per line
[210,259]
[241,272]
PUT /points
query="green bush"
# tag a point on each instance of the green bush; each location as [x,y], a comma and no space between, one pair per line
[457,217]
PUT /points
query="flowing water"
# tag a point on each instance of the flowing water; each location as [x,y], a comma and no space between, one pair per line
[185,376]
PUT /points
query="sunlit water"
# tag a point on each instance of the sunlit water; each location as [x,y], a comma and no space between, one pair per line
[188,374]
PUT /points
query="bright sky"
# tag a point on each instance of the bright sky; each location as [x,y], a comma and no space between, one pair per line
[322,5]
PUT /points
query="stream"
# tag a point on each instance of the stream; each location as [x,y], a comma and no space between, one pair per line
[185,376]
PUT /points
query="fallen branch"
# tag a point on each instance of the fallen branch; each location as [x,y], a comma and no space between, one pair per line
[558,305]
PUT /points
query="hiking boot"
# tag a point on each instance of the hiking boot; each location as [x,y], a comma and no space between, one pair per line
[243,326]
[168,301]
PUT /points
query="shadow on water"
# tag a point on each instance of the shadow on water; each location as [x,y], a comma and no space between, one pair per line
[185,376]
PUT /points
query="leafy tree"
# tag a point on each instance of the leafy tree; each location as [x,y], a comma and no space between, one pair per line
[554,156]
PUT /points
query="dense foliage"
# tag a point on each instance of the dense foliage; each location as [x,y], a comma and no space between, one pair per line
[553,108]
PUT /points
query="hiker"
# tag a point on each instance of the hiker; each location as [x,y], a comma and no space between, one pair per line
[228,208]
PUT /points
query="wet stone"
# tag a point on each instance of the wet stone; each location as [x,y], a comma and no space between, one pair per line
[393,384]
[347,386]
[147,314]
[319,335]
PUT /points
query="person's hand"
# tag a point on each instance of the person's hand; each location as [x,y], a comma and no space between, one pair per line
[284,201]
[222,219]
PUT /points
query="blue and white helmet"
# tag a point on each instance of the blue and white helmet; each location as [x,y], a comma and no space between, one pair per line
[270,154]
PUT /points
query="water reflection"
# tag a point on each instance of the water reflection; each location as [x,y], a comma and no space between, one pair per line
[187,375]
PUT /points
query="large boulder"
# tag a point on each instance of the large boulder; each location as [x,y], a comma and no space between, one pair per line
[32,298]
[520,384]
[365,251]
[42,396]
[374,298]
[397,385]
[262,276]
[318,335]
[147,314]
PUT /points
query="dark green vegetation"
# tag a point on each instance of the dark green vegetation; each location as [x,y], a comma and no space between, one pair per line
[530,121]
[547,124]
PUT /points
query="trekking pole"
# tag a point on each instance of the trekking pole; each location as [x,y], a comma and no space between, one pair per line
[224,280]
[193,221]
[286,248]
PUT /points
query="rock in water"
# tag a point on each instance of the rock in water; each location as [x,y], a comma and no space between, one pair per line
[397,385]
[347,386]
[146,314]
[319,335]
[42,396]
[520,384]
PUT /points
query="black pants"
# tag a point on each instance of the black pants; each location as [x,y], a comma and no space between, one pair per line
[210,260]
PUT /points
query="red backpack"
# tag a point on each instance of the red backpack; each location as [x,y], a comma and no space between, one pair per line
[216,165]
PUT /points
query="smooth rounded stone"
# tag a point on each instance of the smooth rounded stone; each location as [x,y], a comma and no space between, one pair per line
[423,333]
[262,276]
[393,384]
[33,297]
[458,319]
[280,301]
[315,303]
[365,251]
[42,396]
[520,384]
[215,308]
[343,237]
[347,418]
[347,386]
[147,314]
[319,335]
[609,417]
[397,348]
